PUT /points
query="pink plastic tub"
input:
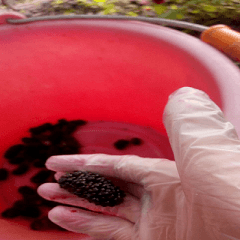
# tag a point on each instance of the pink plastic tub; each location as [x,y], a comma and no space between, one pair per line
[109,70]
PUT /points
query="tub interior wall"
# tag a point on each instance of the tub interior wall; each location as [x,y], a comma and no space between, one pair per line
[74,71]
[83,71]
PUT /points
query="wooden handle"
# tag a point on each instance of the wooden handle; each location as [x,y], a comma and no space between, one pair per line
[224,39]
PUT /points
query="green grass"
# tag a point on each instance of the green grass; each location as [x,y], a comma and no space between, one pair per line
[205,12]
[197,11]
[202,12]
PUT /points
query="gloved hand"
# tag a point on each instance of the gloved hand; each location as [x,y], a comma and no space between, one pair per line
[197,197]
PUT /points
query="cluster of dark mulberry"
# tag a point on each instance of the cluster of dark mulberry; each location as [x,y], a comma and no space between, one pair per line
[45,141]
[124,143]
[93,187]
[28,206]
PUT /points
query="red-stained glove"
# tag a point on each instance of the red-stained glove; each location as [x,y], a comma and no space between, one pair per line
[197,197]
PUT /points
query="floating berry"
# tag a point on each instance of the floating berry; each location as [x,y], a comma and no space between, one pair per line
[31,211]
[61,125]
[3,174]
[50,204]
[62,122]
[69,146]
[93,187]
[44,224]
[38,225]
[29,194]
[78,122]
[38,163]
[28,140]
[26,190]
[67,150]
[13,151]
[121,144]
[41,177]
[73,125]
[33,141]
[33,150]
[23,168]
[16,160]
[52,177]
[68,140]
[46,140]
[71,128]
[53,150]
[43,155]
[41,129]
[136,141]
[56,136]
[27,209]
[11,213]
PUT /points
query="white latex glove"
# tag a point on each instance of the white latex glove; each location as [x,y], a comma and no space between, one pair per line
[195,198]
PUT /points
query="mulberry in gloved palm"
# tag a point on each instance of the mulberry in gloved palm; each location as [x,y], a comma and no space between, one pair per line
[149,182]
[195,197]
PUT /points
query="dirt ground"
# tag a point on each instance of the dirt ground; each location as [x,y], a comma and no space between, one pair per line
[29,8]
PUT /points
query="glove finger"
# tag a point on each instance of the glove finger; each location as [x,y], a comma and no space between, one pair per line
[134,189]
[95,225]
[129,209]
[130,168]
[197,130]
[207,152]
